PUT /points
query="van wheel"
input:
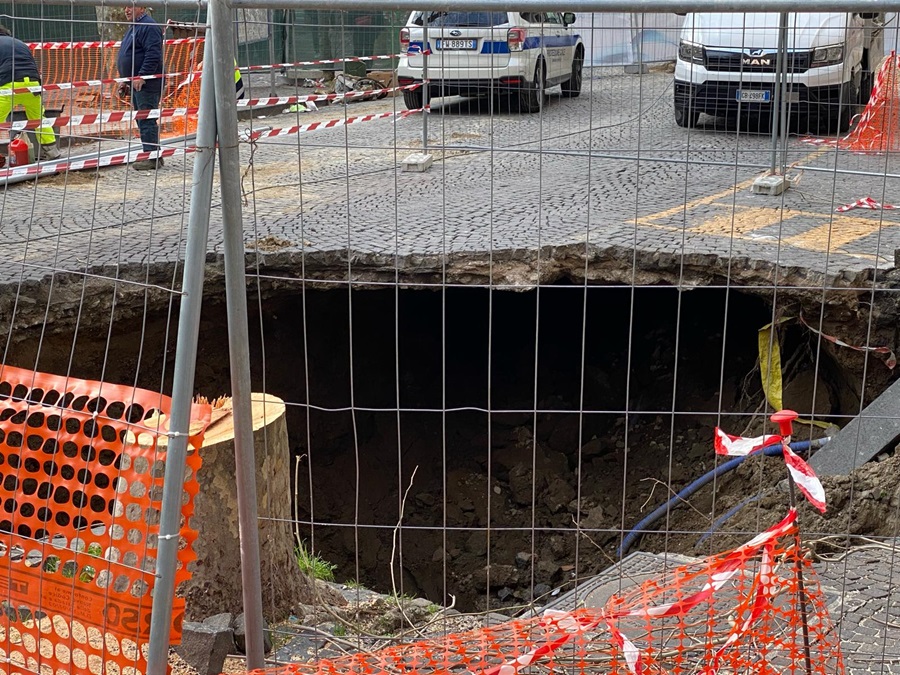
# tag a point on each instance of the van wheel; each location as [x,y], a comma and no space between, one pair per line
[531,98]
[413,98]
[572,87]
[686,118]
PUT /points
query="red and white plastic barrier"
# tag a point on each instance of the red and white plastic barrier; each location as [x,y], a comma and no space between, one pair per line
[865,203]
[327,124]
[115,116]
[45,168]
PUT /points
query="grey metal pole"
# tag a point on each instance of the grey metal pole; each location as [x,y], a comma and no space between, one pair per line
[270,19]
[183,380]
[222,44]
[425,87]
[780,63]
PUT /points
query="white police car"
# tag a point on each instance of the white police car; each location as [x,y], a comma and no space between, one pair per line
[517,54]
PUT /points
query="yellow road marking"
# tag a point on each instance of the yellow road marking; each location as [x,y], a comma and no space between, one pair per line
[739,222]
[700,201]
[837,233]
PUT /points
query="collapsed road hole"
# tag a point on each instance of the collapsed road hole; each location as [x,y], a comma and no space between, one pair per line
[614,374]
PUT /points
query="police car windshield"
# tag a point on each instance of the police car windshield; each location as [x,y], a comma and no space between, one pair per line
[463,19]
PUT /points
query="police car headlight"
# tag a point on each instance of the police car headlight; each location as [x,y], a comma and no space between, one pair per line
[691,52]
[827,56]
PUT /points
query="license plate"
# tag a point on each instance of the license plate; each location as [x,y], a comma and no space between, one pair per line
[456,44]
[753,96]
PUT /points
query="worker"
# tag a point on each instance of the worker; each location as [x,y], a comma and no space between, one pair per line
[141,54]
[238,80]
[18,70]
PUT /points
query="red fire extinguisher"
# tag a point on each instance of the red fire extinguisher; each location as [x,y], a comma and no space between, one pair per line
[18,152]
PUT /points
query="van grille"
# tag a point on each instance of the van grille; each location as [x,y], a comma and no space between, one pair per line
[755,61]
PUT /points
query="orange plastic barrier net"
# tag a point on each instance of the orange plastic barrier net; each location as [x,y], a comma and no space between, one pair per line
[81,469]
[184,92]
[83,64]
[878,127]
[742,611]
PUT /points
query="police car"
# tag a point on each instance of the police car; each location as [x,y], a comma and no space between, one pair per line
[515,54]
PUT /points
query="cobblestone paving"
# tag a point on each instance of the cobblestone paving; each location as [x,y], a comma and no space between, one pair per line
[610,169]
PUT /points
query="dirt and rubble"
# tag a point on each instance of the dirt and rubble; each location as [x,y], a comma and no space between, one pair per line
[579,459]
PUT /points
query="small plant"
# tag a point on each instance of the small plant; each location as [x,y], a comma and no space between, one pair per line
[312,565]
[339,630]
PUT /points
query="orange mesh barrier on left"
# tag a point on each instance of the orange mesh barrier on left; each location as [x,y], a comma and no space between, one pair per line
[742,611]
[80,65]
[81,469]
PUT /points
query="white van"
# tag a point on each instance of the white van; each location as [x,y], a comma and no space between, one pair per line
[726,65]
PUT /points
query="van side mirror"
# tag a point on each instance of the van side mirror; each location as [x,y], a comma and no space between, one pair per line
[569,18]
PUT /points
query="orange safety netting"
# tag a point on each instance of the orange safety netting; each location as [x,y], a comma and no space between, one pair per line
[83,64]
[184,92]
[81,471]
[878,127]
[757,609]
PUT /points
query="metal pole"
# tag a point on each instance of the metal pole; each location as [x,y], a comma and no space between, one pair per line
[222,44]
[183,380]
[270,22]
[780,62]
[425,86]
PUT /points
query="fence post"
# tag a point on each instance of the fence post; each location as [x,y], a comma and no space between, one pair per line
[238,332]
[183,380]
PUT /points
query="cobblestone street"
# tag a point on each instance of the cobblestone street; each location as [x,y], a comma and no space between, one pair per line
[585,170]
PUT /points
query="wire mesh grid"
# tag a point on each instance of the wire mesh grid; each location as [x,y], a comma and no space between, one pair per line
[507,272]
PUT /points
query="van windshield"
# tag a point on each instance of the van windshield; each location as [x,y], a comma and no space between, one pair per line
[463,19]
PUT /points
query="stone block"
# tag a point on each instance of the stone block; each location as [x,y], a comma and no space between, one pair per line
[205,647]
[240,634]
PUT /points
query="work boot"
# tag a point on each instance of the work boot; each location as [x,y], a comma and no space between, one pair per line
[149,164]
[50,151]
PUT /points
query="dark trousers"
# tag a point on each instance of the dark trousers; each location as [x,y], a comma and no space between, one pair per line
[147,100]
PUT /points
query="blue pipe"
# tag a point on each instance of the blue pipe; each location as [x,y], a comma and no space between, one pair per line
[691,488]
[721,520]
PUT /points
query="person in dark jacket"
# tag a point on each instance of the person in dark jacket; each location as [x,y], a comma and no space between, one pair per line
[19,71]
[141,54]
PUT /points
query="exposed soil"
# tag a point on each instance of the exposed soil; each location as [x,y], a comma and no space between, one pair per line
[627,385]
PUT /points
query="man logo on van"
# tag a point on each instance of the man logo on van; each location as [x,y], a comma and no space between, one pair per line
[757,57]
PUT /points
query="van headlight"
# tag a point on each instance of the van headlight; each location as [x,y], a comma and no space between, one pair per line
[691,52]
[827,56]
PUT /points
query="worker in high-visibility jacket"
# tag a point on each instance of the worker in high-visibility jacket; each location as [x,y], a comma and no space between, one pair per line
[18,70]
[238,80]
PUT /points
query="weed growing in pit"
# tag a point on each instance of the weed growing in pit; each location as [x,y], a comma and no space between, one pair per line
[312,565]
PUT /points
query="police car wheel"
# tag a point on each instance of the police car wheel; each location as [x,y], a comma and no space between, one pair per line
[531,98]
[572,87]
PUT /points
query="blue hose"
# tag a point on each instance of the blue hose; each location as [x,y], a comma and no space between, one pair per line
[684,493]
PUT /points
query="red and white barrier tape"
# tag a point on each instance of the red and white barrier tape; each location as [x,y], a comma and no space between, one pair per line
[159,113]
[115,116]
[93,163]
[290,100]
[318,62]
[890,360]
[326,124]
[800,471]
[101,44]
[865,203]
[81,84]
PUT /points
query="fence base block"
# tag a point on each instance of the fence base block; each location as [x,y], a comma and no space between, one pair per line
[417,162]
